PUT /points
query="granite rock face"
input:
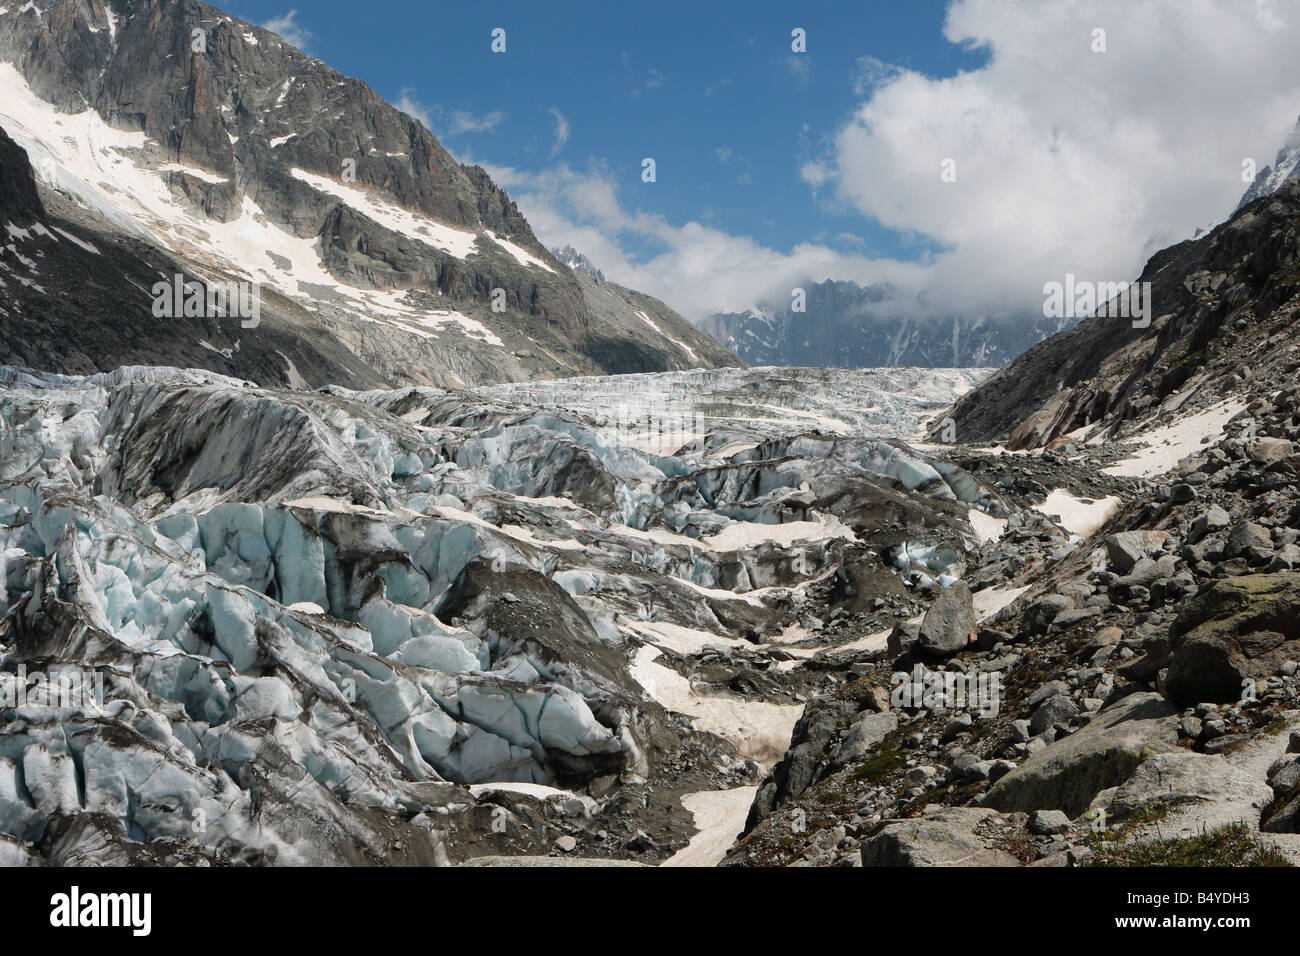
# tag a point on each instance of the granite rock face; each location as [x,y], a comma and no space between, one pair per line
[224,153]
[1217,305]
[20,203]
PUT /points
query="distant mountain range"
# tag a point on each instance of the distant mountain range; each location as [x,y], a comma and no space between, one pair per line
[847,325]
[576,261]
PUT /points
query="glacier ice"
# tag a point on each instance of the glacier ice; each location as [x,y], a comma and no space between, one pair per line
[316,614]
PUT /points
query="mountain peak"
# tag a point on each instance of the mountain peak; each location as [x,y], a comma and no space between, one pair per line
[576,261]
[378,257]
[1285,165]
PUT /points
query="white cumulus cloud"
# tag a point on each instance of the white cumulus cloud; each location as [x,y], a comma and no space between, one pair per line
[562,130]
[289,29]
[1068,159]
[695,268]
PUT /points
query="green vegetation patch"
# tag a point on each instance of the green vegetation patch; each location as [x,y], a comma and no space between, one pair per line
[1233,845]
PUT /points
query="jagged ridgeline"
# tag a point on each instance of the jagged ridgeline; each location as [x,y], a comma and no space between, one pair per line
[841,324]
[169,139]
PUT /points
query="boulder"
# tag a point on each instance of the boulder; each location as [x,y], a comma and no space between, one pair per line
[1053,711]
[1157,652]
[1268,451]
[1051,689]
[1048,822]
[1038,617]
[1126,548]
[902,638]
[865,732]
[1214,519]
[942,836]
[1183,776]
[1238,629]
[1067,774]
[1283,815]
[949,626]
[1067,619]
[1247,539]
[1285,558]
[1286,819]
[1284,775]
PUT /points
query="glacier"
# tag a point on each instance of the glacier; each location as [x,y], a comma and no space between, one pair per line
[327,620]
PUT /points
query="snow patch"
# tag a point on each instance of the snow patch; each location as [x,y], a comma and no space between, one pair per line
[1081,516]
[720,817]
[1164,447]
[749,534]
[759,730]
[197,173]
[659,329]
[986,527]
[457,242]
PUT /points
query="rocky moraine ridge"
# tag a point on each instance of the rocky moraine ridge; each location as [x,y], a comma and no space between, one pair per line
[1149,707]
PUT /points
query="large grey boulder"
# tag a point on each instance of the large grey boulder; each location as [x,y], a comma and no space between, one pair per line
[1283,815]
[1239,629]
[1268,451]
[1126,548]
[1038,617]
[941,837]
[1214,519]
[1048,822]
[1053,711]
[902,638]
[1248,540]
[1068,773]
[1183,776]
[949,626]
[865,732]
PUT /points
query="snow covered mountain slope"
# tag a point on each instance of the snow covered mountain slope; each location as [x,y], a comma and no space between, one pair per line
[362,627]
[1285,165]
[845,325]
[234,157]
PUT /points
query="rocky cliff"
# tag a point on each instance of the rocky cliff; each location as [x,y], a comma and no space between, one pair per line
[209,146]
[1223,312]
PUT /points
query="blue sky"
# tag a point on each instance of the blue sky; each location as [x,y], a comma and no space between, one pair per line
[711,91]
[775,168]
